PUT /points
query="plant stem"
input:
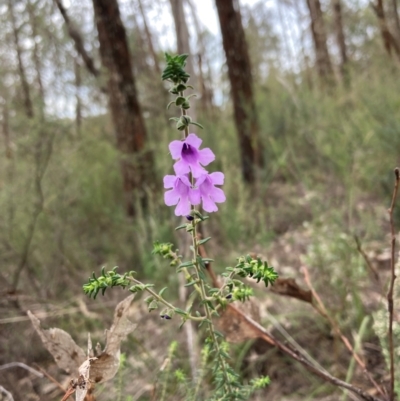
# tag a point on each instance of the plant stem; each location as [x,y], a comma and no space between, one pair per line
[166,303]
[208,314]
[392,278]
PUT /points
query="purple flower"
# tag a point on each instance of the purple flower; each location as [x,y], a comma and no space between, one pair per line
[181,194]
[207,192]
[189,155]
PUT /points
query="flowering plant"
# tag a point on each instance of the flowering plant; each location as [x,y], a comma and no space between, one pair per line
[191,186]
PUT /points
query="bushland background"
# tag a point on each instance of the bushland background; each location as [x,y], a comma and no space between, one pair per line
[300,103]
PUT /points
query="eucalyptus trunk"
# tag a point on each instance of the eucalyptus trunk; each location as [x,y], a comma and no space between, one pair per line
[241,80]
[129,127]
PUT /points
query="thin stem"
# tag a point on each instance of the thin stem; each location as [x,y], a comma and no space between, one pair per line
[184,114]
[166,303]
[208,314]
[392,278]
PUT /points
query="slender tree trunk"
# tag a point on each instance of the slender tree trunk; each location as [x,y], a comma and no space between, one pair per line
[123,102]
[36,53]
[77,38]
[21,68]
[323,61]
[396,19]
[6,130]
[78,105]
[183,45]
[149,37]
[303,45]
[205,83]
[241,79]
[340,39]
[389,41]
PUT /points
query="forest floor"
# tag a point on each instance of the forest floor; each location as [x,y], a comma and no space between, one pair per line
[288,318]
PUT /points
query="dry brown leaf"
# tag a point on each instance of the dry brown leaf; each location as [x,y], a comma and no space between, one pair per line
[289,287]
[61,346]
[106,365]
[232,324]
[72,358]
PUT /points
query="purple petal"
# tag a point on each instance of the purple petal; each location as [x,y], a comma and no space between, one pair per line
[169,181]
[185,180]
[194,196]
[183,207]
[193,140]
[171,197]
[181,167]
[175,147]
[201,179]
[209,205]
[197,170]
[217,195]
[217,178]
[206,156]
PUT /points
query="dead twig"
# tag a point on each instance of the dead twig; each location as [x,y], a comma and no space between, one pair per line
[320,308]
[392,278]
[366,259]
[287,349]
[21,365]
[51,378]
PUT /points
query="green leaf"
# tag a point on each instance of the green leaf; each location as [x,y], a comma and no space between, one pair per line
[203,241]
[189,263]
[180,312]
[190,283]
[162,291]
[181,226]
[197,124]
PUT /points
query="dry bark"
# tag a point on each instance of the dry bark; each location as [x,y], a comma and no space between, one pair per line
[136,163]
[241,80]
[323,62]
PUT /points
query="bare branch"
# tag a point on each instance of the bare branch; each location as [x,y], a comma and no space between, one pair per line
[392,278]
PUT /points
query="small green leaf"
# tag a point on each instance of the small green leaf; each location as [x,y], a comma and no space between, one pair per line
[162,291]
[203,241]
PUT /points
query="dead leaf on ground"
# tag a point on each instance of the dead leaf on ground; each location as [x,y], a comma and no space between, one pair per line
[71,358]
[67,354]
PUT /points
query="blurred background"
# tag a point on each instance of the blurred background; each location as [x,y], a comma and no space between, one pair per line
[300,103]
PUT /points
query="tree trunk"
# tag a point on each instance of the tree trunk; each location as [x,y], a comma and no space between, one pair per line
[149,37]
[205,83]
[396,20]
[36,53]
[240,77]
[183,46]
[324,66]
[340,39]
[123,102]
[6,130]
[21,68]
[78,105]
[389,41]
[77,38]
